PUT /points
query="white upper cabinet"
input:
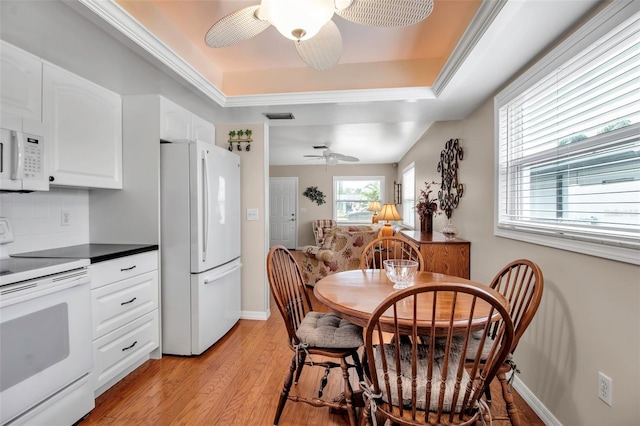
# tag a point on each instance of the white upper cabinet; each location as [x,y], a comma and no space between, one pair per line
[175,122]
[85,121]
[178,124]
[20,82]
[202,130]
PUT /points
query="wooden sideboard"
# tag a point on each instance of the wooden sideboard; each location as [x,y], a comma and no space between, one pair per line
[446,256]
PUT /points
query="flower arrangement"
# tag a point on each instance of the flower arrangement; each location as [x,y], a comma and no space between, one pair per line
[314,194]
[425,205]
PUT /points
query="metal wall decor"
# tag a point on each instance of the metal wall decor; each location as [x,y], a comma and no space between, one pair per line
[450,189]
[315,195]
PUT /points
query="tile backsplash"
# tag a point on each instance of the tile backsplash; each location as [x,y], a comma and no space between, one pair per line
[36,219]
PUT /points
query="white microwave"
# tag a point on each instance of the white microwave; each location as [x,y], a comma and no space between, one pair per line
[23,162]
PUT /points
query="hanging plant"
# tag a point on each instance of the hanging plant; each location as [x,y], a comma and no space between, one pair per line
[314,194]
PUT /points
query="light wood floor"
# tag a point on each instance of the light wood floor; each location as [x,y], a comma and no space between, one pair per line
[236,382]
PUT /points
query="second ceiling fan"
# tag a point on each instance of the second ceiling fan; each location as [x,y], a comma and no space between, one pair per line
[331,157]
[309,23]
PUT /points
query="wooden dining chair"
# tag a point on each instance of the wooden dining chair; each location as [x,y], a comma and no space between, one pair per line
[521,282]
[425,379]
[311,333]
[384,248]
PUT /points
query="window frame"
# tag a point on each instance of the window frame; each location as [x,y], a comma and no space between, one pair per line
[606,21]
[336,179]
[406,201]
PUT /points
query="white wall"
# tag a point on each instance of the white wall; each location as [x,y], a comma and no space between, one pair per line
[35,219]
[589,318]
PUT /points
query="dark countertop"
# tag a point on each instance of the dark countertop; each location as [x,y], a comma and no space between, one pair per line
[94,252]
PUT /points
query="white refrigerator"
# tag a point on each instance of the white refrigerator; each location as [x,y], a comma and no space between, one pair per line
[200,245]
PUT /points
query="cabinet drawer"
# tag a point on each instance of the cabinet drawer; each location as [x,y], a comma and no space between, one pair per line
[104,273]
[116,304]
[119,349]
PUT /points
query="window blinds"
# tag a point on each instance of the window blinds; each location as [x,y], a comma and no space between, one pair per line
[569,146]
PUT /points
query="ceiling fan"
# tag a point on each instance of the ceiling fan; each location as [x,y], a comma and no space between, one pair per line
[308,23]
[331,158]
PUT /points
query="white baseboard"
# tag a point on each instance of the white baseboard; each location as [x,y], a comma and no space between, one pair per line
[255,315]
[536,405]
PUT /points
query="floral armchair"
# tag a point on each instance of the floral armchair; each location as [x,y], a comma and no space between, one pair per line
[340,251]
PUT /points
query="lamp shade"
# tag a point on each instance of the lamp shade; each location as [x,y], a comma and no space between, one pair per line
[389,212]
[374,206]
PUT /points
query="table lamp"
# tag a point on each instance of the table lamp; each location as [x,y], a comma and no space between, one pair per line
[388,212]
[374,207]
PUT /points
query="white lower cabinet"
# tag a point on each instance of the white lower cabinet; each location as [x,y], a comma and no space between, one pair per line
[117,304]
[118,350]
[124,298]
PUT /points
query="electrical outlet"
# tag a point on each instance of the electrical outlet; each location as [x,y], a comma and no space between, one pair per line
[65,218]
[605,388]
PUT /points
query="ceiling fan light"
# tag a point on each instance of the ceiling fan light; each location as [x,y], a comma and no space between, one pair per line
[297,19]
[332,160]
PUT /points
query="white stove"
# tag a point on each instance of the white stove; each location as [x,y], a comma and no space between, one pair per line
[14,270]
[46,352]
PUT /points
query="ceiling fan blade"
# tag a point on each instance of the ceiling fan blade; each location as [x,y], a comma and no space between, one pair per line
[387,13]
[313,156]
[238,26]
[323,51]
[343,157]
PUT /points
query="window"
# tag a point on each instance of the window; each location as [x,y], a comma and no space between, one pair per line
[352,195]
[568,148]
[409,195]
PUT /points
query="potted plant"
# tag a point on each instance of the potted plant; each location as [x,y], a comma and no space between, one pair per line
[232,134]
[248,132]
[426,207]
[240,134]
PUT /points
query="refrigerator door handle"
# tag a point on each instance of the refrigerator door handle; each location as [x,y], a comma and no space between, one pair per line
[219,277]
[205,205]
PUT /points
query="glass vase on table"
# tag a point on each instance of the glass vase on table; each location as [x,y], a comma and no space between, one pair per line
[401,272]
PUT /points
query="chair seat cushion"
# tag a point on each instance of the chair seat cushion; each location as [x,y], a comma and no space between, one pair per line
[421,376]
[474,345]
[323,330]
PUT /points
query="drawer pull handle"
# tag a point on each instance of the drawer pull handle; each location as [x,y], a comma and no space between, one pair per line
[128,301]
[129,347]
[127,269]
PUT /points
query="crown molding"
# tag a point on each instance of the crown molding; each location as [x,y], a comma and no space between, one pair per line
[110,12]
[486,14]
[118,18]
[333,96]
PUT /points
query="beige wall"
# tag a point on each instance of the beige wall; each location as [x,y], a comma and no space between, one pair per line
[322,177]
[589,319]
[255,302]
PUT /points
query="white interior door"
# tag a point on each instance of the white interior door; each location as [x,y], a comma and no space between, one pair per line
[283,220]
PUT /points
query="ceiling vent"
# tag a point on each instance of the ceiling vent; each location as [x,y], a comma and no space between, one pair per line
[279,115]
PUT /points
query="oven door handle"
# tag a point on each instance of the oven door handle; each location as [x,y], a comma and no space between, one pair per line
[17,293]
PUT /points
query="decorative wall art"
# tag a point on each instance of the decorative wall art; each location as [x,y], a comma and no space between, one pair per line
[314,194]
[450,189]
[239,137]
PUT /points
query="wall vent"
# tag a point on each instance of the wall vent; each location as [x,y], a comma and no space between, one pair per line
[279,115]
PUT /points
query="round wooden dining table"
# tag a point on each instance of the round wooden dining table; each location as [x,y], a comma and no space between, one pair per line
[354,295]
